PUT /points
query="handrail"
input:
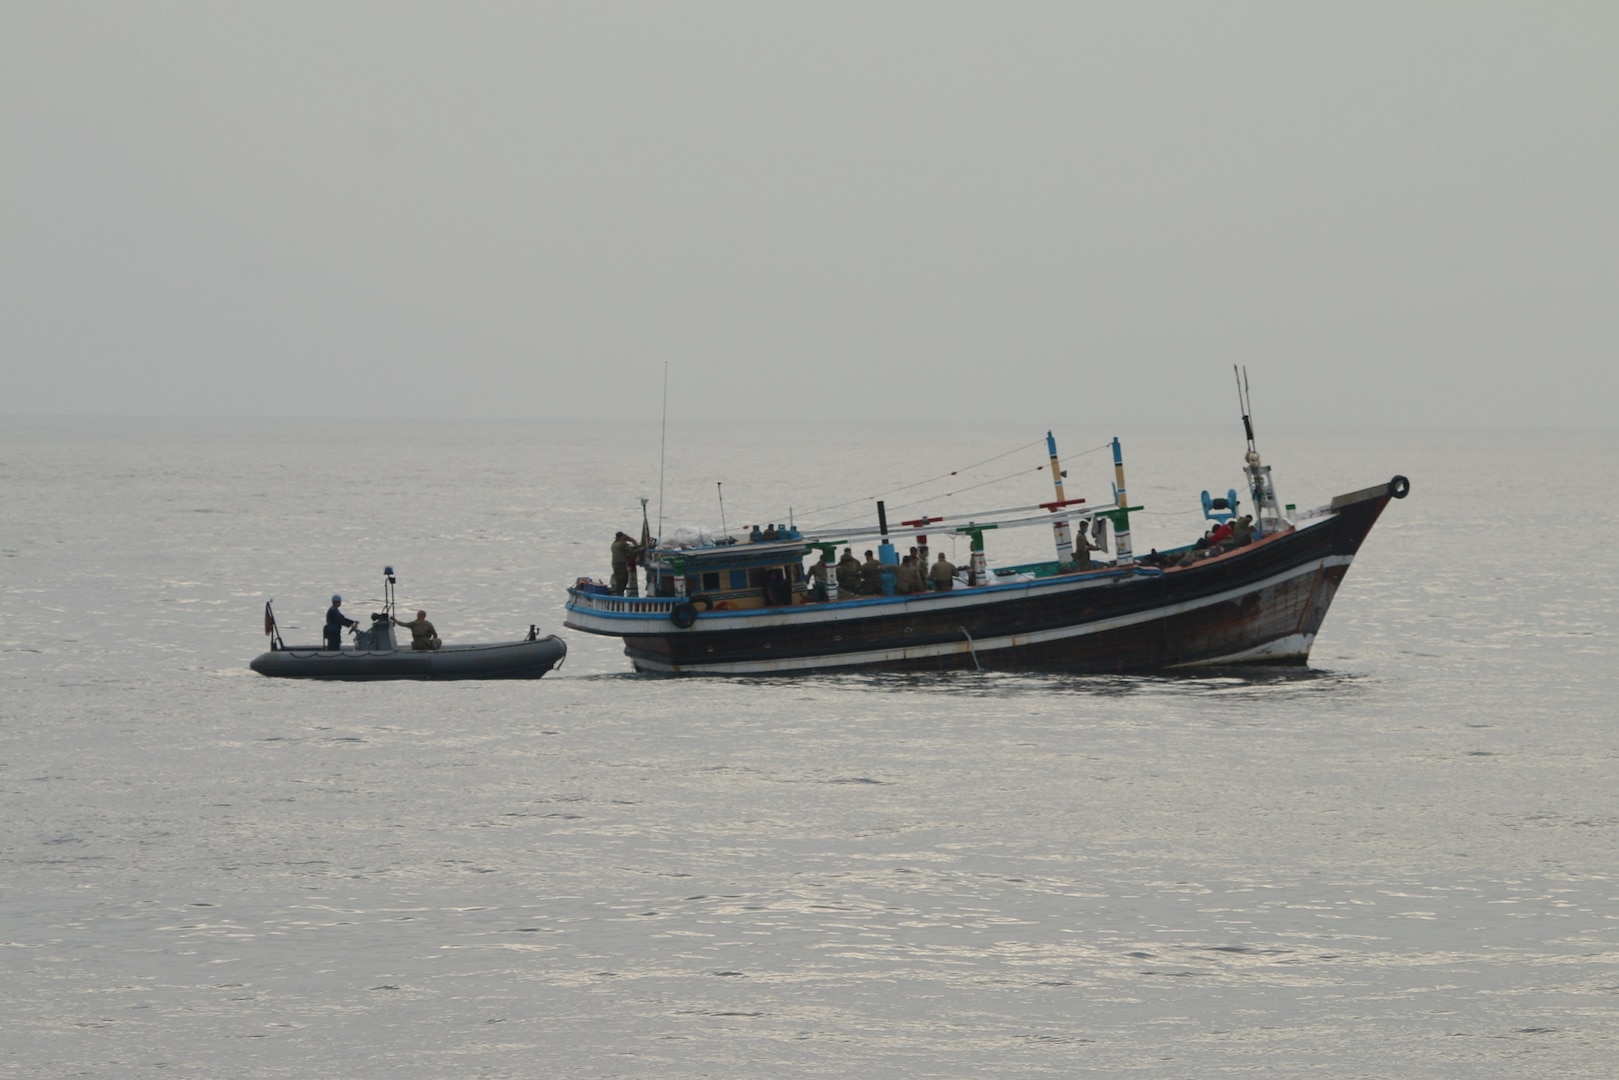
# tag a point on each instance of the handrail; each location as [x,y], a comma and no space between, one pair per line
[648,605]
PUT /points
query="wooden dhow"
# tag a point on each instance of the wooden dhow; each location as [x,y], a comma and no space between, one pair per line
[750,608]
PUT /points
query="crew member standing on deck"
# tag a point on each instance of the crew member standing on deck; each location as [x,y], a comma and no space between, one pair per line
[817,576]
[1082,548]
[624,549]
[335,622]
[848,575]
[871,576]
[943,574]
[908,579]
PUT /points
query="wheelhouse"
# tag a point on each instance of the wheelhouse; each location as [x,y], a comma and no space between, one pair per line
[731,576]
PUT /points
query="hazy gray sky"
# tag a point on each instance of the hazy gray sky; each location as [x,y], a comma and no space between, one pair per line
[1391,212]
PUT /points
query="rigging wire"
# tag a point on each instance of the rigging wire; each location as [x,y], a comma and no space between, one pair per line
[958,491]
[970,487]
[919,483]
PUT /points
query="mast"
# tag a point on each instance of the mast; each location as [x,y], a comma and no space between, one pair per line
[382,630]
[1064,538]
[1121,516]
[633,587]
[663,444]
[1261,487]
[978,563]
[885,554]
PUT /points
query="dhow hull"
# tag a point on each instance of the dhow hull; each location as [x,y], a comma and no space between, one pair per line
[1260,604]
[505,660]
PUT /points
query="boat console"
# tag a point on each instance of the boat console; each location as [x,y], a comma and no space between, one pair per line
[380,638]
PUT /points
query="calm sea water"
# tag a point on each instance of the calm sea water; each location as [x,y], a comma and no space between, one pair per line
[1401,862]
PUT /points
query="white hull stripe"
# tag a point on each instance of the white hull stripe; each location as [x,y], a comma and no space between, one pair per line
[983,645]
[622,625]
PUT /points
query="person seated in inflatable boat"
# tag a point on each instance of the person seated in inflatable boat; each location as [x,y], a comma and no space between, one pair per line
[423,638]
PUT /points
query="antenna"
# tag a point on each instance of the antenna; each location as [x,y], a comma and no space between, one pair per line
[724,530]
[1244,402]
[663,443]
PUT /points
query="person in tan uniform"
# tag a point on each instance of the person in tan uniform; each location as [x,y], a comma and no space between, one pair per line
[817,578]
[848,575]
[908,579]
[1082,549]
[423,638]
[624,549]
[871,576]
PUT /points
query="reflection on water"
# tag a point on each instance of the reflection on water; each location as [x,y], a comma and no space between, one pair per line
[1270,684]
[1396,861]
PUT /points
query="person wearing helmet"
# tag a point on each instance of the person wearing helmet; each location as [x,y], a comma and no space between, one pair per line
[335,622]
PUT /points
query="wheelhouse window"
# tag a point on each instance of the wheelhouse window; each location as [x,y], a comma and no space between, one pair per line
[711,581]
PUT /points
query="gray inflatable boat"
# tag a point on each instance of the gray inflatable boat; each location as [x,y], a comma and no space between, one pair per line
[376,655]
[528,659]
